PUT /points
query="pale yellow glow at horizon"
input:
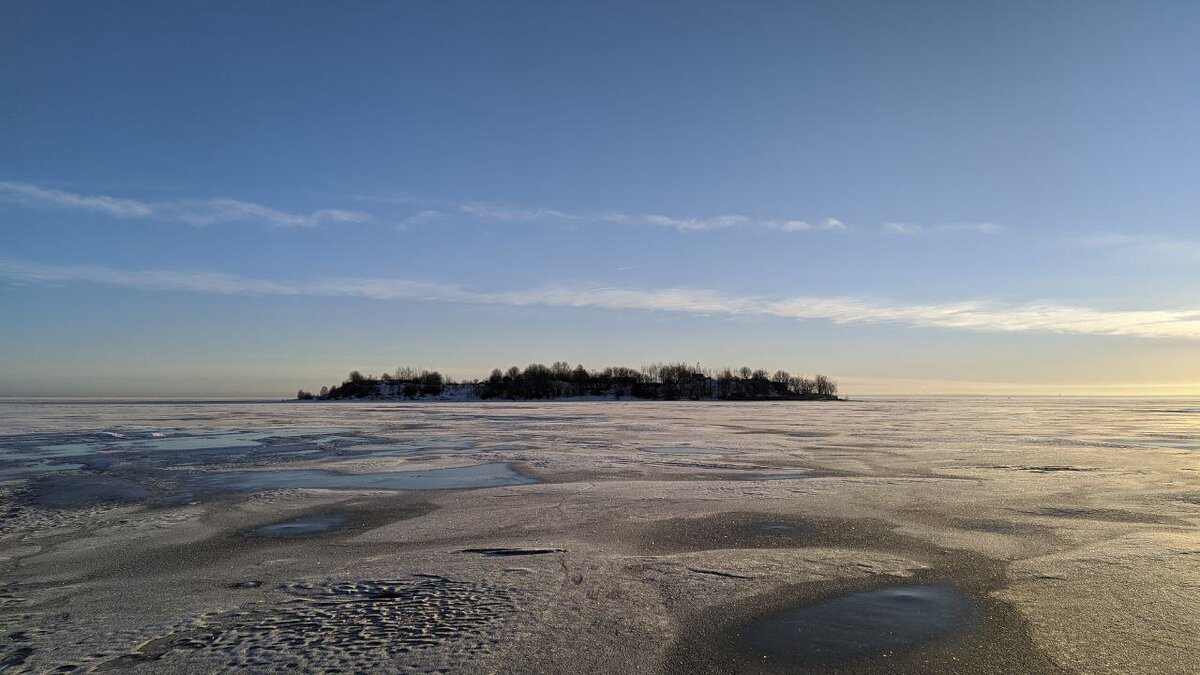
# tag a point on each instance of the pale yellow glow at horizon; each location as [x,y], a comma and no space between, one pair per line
[903,387]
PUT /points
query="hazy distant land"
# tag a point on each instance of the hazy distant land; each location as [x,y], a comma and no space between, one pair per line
[659,382]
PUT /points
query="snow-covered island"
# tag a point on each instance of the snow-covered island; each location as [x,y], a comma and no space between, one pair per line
[662,382]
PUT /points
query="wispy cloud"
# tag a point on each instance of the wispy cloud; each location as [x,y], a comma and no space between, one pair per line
[1053,317]
[212,211]
[1148,247]
[32,195]
[684,224]
[420,218]
[509,213]
[912,230]
[188,211]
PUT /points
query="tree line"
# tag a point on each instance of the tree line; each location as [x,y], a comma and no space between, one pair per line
[662,381]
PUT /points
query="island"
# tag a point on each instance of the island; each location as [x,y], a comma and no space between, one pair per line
[658,382]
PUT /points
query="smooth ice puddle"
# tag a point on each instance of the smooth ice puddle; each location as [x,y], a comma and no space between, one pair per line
[37,467]
[495,474]
[206,442]
[66,450]
[212,440]
[400,448]
[857,625]
[22,455]
[304,526]
[25,460]
[73,491]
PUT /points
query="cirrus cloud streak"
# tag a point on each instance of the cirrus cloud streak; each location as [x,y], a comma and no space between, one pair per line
[188,211]
[1051,317]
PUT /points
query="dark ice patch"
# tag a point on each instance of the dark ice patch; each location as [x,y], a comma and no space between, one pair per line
[304,526]
[857,625]
[74,491]
[494,474]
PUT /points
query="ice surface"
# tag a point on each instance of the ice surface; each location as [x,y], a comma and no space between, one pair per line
[304,526]
[1078,516]
[474,476]
[686,450]
[858,624]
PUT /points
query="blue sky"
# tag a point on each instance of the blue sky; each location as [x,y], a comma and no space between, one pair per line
[223,199]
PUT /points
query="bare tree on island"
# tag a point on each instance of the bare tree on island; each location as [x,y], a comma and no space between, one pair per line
[825,386]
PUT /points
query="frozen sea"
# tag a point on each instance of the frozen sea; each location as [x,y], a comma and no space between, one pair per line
[1031,534]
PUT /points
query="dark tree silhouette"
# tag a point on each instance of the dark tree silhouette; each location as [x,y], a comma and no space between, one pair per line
[662,381]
